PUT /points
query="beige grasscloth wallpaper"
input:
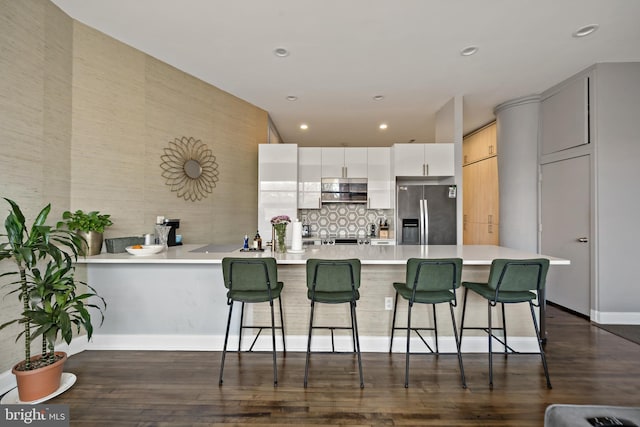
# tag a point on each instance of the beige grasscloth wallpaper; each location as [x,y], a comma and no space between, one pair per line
[84,120]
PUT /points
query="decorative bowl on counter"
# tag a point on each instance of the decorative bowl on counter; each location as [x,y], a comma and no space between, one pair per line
[144,249]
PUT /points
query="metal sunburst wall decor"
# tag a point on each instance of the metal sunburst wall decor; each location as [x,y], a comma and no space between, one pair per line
[190,168]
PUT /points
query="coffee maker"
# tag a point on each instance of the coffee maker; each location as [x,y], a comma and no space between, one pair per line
[174,224]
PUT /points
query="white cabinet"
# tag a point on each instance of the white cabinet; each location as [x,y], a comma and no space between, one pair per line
[309,177]
[338,162]
[355,162]
[380,184]
[423,160]
[277,184]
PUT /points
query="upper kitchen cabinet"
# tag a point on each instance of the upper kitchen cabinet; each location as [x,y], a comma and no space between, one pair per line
[422,160]
[344,162]
[565,117]
[480,145]
[309,177]
[277,184]
[380,184]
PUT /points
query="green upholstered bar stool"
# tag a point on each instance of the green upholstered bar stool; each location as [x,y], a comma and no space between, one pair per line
[334,282]
[511,281]
[252,280]
[429,281]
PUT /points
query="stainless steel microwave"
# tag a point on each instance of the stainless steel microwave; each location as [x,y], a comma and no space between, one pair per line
[344,190]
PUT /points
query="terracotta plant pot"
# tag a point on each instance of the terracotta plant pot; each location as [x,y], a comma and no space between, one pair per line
[41,382]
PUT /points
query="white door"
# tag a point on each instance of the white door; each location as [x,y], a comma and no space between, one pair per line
[566,219]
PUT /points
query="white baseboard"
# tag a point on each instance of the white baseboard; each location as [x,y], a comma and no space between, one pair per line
[615,318]
[297,343]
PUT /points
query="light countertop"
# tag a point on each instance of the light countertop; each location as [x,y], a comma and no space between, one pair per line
[368,254]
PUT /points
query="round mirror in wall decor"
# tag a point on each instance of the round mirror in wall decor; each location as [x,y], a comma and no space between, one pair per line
[190,168]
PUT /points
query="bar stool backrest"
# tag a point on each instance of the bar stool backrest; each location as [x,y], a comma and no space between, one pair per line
[333,275]
[249,274]
[435,274]
[516,275]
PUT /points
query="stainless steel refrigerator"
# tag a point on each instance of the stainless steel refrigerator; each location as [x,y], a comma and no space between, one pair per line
[426,215]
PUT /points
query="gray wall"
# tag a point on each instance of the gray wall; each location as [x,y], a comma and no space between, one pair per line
[617,151]
[517,135]
[84,119]
[615,116]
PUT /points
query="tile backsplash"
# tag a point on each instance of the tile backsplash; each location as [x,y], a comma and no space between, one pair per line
[344,219]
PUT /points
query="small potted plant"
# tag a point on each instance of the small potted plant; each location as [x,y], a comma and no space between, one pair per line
[51,302]
[89,226]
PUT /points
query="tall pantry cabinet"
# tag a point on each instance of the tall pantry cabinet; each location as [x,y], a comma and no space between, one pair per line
[480,201]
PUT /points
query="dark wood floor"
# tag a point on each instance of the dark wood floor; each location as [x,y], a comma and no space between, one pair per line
[588,366]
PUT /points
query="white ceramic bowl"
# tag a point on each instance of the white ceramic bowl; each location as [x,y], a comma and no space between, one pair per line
[146,250]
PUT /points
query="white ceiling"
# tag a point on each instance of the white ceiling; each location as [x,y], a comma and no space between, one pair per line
[343,52]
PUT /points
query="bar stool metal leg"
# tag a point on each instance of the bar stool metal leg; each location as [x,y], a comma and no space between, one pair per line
[490,347]
[357,338]
[435,328]
[542,355]
[226,339]
[393,322]
[241,324]
[455,336]
[464,309]
[273,342]
[504,331]
[284,345]
[406,364]
[306,365]
[353,332]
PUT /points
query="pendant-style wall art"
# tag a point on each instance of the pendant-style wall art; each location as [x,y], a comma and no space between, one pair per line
[190,168]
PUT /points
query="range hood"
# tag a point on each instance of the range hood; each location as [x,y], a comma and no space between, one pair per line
[344,190]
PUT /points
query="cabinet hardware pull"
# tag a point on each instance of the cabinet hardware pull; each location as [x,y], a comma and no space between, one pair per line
[490,228]
[490,219]
[583,239]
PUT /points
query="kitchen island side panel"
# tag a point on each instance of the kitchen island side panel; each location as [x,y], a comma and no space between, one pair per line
[155,306]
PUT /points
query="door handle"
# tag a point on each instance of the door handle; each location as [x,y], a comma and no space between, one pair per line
[583,239]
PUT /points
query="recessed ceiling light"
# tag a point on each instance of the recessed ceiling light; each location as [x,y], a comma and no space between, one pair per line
[586,30]
[292,98]
[304,126]
[383,126]
[468,51]
[378,98]
[281,52]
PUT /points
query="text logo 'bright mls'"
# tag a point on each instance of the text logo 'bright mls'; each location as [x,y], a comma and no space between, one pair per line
[36,415]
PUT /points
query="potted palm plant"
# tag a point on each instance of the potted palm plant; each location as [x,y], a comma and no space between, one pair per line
[89,226]
[52,303]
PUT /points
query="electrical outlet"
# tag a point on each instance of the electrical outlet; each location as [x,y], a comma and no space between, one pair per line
[388,303]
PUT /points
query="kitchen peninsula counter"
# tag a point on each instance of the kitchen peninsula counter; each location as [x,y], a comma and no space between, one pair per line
[368,255]
[176,300]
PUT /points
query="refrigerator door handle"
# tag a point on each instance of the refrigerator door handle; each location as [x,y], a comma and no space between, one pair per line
[425,209]
[421,222]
